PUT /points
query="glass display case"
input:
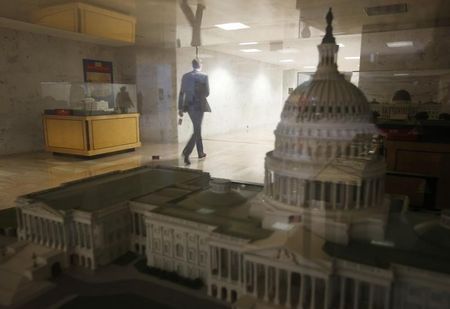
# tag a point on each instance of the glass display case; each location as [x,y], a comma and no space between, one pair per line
[88,99]
[89,119]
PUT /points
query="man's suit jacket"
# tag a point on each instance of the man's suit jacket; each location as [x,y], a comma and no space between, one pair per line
[193,93]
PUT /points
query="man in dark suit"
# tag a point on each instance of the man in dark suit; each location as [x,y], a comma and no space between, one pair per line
[192,100]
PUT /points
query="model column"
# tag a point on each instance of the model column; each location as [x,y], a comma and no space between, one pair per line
[266,283]
[288,289]
[302,291]
[276,299]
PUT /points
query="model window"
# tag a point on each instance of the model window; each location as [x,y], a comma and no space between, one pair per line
[179,250]
[166,248]
[191,255]
[202,257]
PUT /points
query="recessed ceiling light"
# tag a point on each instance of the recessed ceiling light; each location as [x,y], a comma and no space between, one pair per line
[399,44]
[251,50]
[232,26]
[286,60]
[309,67]
[352,58]
[401,74]
[248,43]
[341,45]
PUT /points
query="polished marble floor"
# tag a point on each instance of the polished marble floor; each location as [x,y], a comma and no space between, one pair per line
[237,156]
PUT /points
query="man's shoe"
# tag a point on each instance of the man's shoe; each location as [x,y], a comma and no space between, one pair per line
[186,160]
[203,155]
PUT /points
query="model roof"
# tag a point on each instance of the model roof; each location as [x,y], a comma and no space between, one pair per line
[228,211]
[110,189]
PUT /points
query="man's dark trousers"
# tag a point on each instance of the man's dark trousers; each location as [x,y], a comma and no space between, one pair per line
[196,138]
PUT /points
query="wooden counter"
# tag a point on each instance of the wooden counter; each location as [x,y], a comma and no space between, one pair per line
[420,170]
[91,135]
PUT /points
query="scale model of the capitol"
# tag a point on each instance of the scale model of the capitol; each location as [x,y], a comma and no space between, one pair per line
[321,234]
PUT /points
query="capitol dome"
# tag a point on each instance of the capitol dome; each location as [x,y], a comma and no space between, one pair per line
[326,157]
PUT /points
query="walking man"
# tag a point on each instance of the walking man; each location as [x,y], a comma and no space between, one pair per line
[192,100]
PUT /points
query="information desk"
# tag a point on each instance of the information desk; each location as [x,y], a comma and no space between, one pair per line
[91,135]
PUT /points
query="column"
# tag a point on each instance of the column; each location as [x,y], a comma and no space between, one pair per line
[312,185]
[87,235]
[266,283]
[302,291]
[288,289]
[356,295]
[358,195]
[79,235]
[386,297]
[133,224]
[48,232]
[44,231]
[322,191]
[299,194]
[255,280]
[374,192]
[229,265]
[313,292]
[347,195]
[381,190]
[288,190]
[219,262]
[239,268]
[370,296]
[333,195]
[276,300]
[342,296]
[327,293]
[53,233]
[245,282]
[366,193]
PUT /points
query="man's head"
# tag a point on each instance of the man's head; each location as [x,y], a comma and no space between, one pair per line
[196,64]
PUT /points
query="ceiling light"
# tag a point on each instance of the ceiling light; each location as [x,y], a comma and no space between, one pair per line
[248,43]
[251,50]
[286,60]
[352,58]
[399,44]
[232,26]
[401,74]
[341,45]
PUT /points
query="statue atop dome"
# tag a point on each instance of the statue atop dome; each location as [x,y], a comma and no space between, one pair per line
[329,38]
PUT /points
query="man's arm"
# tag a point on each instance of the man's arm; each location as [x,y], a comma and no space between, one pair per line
[181,98]
[206,86]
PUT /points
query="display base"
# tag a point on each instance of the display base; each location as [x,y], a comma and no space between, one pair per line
[91,136]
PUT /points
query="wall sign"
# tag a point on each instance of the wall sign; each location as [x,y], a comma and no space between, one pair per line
[96,71]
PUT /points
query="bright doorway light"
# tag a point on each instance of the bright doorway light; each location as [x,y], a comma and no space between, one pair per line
[232,26]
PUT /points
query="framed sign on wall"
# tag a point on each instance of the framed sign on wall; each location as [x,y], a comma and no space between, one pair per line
[97,71]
